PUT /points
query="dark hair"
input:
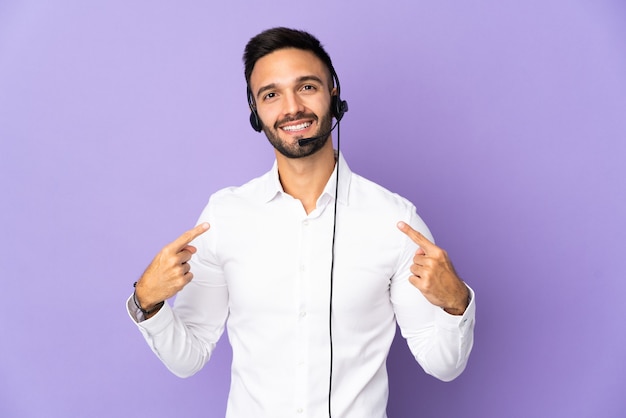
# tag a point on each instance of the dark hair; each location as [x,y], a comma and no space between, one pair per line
[274,39]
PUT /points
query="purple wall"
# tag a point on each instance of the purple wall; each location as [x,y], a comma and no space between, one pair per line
[506,125]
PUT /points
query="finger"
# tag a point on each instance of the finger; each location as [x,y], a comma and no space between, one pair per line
[186,268]
[191,249]
[415,236]
[185,254]
[420,270]
[183,241]
[420,261]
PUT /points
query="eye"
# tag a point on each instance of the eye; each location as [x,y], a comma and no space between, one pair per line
[269,96]
[309,87]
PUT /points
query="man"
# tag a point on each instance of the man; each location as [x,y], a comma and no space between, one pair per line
[309,286]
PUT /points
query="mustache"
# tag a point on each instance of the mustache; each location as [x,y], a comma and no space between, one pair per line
[296,117]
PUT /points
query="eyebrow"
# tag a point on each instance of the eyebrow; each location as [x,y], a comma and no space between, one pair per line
[299,80]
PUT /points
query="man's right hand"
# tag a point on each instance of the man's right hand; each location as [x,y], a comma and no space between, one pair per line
[169,272]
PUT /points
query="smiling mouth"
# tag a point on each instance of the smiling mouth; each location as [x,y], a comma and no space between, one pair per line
[295,128]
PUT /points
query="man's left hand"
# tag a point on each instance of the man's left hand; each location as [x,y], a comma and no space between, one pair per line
[434,275]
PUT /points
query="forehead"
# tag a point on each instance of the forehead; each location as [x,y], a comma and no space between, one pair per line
[286,65]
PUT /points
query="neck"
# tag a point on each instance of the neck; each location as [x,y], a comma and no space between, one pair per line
[305,178]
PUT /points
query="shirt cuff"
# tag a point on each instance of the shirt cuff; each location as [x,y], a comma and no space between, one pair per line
[153,325]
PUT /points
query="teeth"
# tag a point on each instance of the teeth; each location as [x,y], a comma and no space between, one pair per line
[297,127]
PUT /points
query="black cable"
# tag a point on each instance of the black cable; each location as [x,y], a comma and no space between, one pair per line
[332,274]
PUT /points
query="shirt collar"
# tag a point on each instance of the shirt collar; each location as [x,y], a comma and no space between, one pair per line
[273,187]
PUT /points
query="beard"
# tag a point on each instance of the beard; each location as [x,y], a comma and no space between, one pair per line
[294,150]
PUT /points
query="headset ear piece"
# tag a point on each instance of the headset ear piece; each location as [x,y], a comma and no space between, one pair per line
[338,107]
[254,121]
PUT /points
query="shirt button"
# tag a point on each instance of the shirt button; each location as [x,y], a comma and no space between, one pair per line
[305,223]
[300,410]
[302,314]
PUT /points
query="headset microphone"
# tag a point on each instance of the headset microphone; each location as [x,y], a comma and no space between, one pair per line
[305,141]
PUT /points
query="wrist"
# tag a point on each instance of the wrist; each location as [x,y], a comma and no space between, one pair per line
[147,310]
[461,307]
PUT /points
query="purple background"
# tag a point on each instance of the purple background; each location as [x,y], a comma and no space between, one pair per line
[504,123]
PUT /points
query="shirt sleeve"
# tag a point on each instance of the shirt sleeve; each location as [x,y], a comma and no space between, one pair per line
[184,335]
[441,343]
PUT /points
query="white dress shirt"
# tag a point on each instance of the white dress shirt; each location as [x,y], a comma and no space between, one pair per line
[263,270]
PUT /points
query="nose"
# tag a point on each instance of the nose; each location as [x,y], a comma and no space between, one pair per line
[292,104]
